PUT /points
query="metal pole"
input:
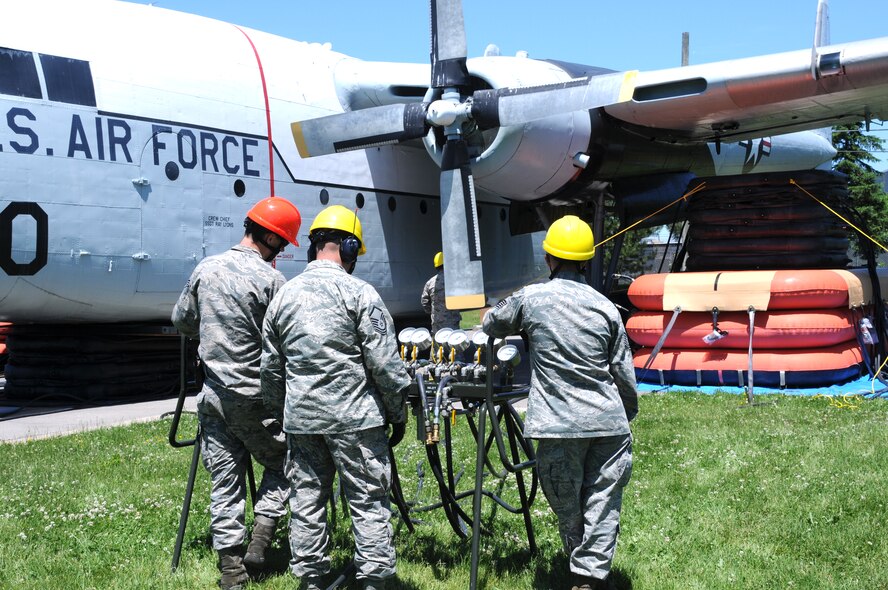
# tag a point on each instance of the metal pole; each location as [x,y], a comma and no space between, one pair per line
[186,503]
[749,395]
[595,267]
[476,498]
[511,428]
[251,478]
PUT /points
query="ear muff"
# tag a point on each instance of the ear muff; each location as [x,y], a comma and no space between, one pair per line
[312,252]
[349,248]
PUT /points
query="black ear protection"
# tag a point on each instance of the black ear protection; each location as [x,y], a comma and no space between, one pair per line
[349,248]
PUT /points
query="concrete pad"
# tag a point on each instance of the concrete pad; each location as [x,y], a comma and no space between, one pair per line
[63,420]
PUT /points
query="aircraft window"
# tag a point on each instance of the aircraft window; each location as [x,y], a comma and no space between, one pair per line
[240,188]
[502,214]
[172,170]
[423,207]
[670,89]
[392,204]
[18,73]
[359,201]
[68,80]
[325,196]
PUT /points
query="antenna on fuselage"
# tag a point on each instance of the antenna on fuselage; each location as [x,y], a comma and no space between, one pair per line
[832,63]
[821,25]
[685,44]
[821,36]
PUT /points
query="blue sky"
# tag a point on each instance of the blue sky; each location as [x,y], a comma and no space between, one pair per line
[622,35]
[625,34]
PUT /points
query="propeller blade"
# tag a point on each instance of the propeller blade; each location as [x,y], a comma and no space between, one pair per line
[356,130]
[449,47]
[515,106]
[460,236]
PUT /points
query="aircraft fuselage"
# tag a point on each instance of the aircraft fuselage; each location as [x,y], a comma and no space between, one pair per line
[131,153]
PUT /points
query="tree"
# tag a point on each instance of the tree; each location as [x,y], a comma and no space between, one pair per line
[631,253]
[868,198]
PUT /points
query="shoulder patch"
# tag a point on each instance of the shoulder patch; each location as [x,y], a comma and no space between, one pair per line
[502,302]
[377,318]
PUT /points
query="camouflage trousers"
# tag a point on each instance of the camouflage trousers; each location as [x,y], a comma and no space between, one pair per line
[583,480]
[362,461]
[232,429]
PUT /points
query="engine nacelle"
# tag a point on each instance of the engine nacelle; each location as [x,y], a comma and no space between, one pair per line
[524,162]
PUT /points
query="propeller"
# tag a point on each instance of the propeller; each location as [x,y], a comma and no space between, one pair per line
[455,108]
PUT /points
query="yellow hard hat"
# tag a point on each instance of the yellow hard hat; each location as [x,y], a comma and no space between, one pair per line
[570,238]
[342,219]
[439,259]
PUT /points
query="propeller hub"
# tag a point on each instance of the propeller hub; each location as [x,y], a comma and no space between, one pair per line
[443,113]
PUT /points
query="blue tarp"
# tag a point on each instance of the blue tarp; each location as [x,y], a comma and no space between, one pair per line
[862,386]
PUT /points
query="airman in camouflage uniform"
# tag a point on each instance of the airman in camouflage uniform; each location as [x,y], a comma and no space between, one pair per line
[223,305]
[433,300]
[582,397]
[330,364]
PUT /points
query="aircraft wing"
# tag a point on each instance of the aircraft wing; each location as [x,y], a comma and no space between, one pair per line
[761,96]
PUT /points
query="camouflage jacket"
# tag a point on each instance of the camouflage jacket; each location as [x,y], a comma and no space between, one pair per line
[433,303]
[330,358]
[223,305]
[582,377]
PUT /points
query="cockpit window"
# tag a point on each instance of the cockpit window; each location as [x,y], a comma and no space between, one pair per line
[68,80]
[18,74]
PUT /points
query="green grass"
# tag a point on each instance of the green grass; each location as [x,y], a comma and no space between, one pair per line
[787,494]
[470,319]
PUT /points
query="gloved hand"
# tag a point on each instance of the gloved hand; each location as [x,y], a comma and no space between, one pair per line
[398,430]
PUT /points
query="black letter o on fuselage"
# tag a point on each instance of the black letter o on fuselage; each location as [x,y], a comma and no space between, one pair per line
[13,210]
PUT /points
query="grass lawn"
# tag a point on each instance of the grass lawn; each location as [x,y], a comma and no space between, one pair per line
[790,493]
[470,319]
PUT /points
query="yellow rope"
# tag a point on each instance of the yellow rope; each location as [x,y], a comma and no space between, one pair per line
[864,234]
[625,229]
[876,376]
[847,401]
[860,231]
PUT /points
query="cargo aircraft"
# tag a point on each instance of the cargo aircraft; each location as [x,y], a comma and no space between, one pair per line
[132,145]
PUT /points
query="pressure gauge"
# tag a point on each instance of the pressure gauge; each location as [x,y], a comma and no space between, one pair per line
[442,335]
[405,335]
[458,340]
[508,355]
[421,338]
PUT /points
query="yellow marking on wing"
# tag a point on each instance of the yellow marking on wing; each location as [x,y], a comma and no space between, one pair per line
[299,138]
[628,87]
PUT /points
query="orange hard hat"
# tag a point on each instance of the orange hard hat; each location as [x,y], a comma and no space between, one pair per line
[278,215]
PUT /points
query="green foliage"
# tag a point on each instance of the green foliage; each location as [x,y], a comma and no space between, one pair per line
[868,198]
[632,252]
[786,494]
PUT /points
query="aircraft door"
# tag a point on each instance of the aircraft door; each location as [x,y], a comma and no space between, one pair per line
[170,193]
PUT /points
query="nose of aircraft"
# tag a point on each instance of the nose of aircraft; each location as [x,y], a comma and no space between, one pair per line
[808,149]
